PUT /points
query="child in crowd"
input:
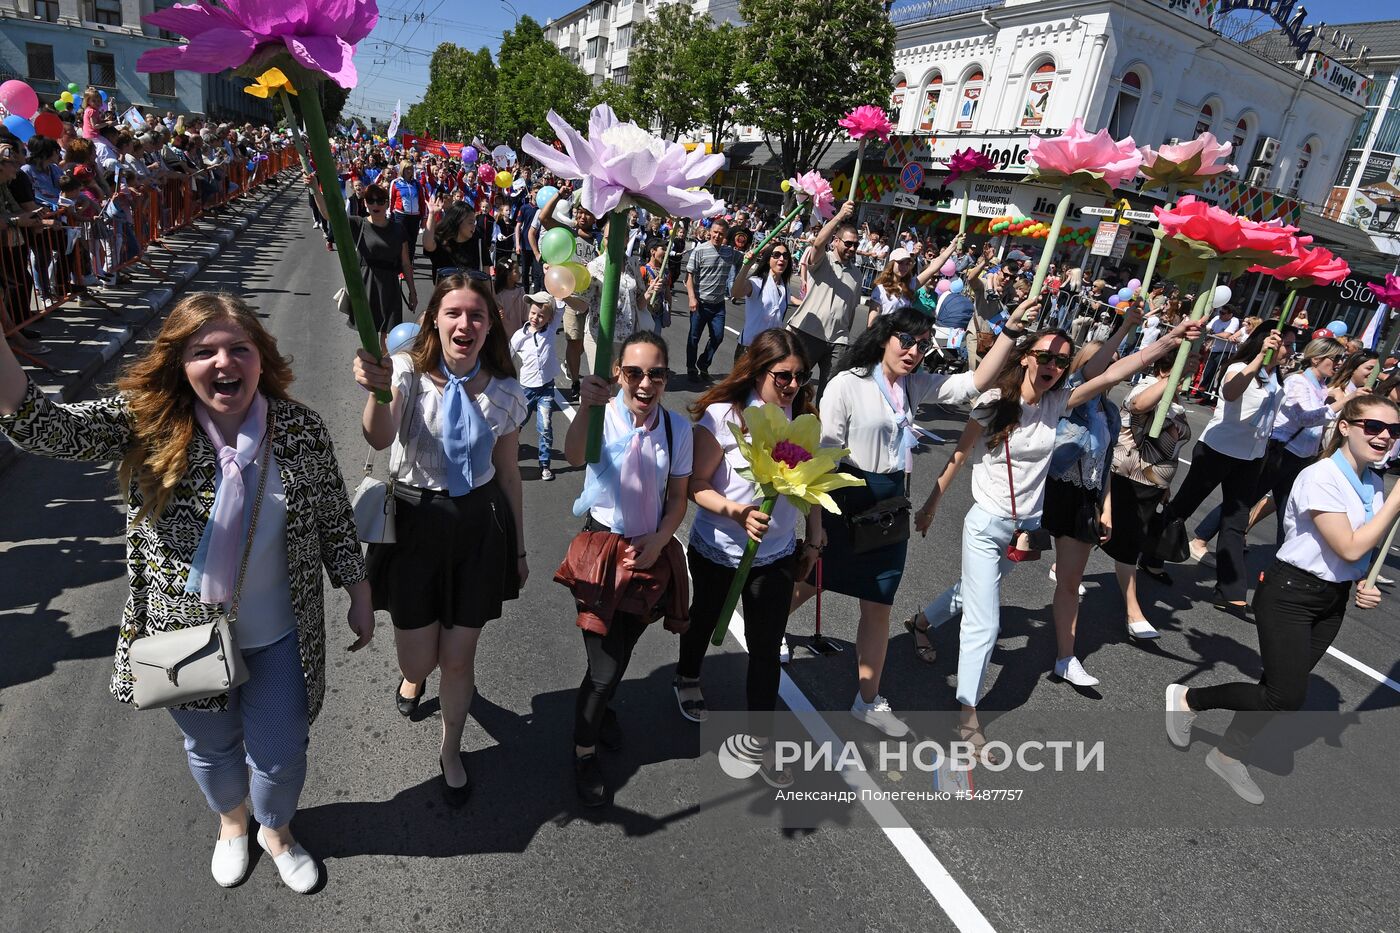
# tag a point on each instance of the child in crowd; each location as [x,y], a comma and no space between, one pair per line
[533,346]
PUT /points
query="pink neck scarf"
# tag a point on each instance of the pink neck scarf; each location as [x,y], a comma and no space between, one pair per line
[222,544]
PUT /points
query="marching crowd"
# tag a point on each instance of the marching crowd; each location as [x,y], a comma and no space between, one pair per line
[235,499]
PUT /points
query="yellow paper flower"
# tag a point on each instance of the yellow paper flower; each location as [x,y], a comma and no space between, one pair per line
[268,83]
[786,458]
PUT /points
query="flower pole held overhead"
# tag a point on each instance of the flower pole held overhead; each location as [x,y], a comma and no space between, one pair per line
[1176,166]
[861,124]
[1388,292]
[966,165]
[785,459]
[1077,159]
[622,166]
[273,81]
[1307,267]
[809,190]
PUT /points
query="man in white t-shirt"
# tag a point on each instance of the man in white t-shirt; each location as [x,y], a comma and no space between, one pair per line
[1221,328]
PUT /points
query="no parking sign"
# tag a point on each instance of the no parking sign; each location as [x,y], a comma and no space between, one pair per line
[911,177]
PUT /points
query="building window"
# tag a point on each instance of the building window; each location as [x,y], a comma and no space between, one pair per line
[597,46]
[162,84]
[1299,169]
[897,99]
[1125,108]
[102,69]
[1240,138]
[619,75]
[928,107]
[46,10]
[1205,121]
[106,12]
[969,99]
[1038,96]
[624,37]
[40,62]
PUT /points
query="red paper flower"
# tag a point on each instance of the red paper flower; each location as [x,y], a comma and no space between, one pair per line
[866,122]
[1222,231]
[1388,291]
[1309,267]
[967,163]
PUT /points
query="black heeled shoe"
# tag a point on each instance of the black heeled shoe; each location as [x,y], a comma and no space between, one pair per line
[455,796]
[408,706]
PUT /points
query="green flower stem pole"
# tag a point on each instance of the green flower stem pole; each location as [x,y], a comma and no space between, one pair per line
[741,576]
[607,312]
[1156,253]
[1284,319]
[782,225]
[1375,570]
[295,129]
[1202,306]
[967,199]
[855,173]
[1043,267]
[340,223]
[1384,312]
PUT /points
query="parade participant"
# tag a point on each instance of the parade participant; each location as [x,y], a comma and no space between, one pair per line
[772,372]
[1014,425]
[1309,406]
[384,258]
[1337,516]
[765,296]
[898,286]
[459,553]
[1230,455]
[625,556]
[510,294]
[708,271]
[823,320]
[406,205]
[656,296]
[452,240]
[869,408]
[533,344]
[1354,371]
[200,422]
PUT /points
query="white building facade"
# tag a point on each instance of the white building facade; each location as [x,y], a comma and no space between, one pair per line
[597,36]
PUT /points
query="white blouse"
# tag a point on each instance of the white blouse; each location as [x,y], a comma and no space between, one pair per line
[1240,429]
[1032,442]
[764,308]
[855,414]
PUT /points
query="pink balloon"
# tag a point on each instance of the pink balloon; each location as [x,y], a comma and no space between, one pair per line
[19,98]
[949,269]
[942,286]
[559,281]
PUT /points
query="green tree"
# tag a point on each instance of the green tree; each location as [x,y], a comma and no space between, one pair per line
[806,63]
[713,58]
[661,70]
[617,96]
[461,96]
[537,80]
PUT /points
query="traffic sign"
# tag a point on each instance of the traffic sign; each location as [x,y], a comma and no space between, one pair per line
[911,177]
[1097,211]
[1143,216]
[907,201]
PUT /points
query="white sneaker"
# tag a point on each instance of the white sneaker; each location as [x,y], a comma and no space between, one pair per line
[296,866]
[230,862]
[877,713]
[784,652]
[1082,591]
[1069,669]
[1142,630]
[1236,775]
[1179,716]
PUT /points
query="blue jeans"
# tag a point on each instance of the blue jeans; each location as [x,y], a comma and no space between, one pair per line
[540,400]
[977,596]
[708,314]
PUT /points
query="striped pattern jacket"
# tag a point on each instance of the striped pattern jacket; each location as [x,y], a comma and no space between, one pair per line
[320,524]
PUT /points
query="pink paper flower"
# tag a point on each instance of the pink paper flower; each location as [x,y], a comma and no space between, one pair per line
[811,186]
[622,164]
[319,35]
[867,122]
[1091,157]
[967,163]
[1222,231]
[1186,163]
[1387,291]
[1309,267]
[790,454]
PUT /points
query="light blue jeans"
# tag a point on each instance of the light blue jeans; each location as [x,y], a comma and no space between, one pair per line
[977,596]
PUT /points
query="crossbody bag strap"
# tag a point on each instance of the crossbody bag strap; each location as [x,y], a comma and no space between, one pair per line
[1010,483]
[267,467]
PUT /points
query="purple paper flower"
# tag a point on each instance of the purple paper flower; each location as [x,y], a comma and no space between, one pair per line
[318,35]
[622,164]
[967,163]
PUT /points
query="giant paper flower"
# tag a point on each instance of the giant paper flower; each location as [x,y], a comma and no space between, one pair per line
[317,35]
[1095,159]
[1308,267]
[1185,164]
[867,122]
[622,164]
[1196,230]
[1387,291]
[270,82]
[786,458]
[967,163]
[812,187]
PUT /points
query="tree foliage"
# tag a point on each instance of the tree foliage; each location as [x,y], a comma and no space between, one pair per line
[617,96]
[460,100]
[806,63]
[539,80]
[713,53]
[661,78]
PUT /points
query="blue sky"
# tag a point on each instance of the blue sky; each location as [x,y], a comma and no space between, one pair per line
[390,72]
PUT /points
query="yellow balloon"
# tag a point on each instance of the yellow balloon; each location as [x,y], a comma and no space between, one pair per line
[503,179]
[582,277]
[785,185]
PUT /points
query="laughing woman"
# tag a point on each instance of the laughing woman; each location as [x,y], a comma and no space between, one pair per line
[460,550]
[199,423]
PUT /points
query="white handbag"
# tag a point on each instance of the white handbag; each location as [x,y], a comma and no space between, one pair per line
[373,500]
[202,661]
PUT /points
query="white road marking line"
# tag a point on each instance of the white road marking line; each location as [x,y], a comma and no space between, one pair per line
[1363,668]
[732,331]
[563,405]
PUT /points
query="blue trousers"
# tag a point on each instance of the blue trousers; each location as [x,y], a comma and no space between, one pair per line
[540,400]
[264,729]
[708,315]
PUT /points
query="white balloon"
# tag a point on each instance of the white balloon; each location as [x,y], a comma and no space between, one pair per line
[1222,296]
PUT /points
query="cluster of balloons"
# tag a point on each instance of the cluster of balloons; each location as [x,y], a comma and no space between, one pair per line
[955,286]
[24,120]
[1011,224]
[1125,294]
[1336,329]
[564,277]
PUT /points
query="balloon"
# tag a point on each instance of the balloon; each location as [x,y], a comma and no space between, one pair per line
[1124,294]
[942,286]
[559,280]
[1114,301]
[1321,332]
[20,127]
[486,174]
[582,277]
[1338,328]
[401,337]
[19,98]
[103,95]
[48,124]
[546,195]
[956,286]
[469,154]
[503,179]
[785,185]
[1222,296]
[949,269]
[557,246]
[1135,284]
[73,88]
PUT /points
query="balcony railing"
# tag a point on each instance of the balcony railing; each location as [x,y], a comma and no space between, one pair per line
[905,14]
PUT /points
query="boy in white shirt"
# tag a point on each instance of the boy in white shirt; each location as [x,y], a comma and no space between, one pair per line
[533,346]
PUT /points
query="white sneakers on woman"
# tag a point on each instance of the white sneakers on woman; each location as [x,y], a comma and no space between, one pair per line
[1070,670]
[297,868]
[230,862]
[878,713]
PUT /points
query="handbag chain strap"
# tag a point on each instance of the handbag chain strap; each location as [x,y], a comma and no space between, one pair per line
[253,522]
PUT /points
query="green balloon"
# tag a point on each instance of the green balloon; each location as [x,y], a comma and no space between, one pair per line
[73,88]
[557,246]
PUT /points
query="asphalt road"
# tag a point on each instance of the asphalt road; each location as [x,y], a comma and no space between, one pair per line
[103,827]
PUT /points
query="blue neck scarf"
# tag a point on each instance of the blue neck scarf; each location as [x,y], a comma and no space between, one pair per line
[1365,490]
[466,436]
[903,420]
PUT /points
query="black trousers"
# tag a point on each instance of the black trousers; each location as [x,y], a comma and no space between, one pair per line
[608,656]
[409,223]
[1239,483]
[1298,615]
[1281,473]
[766,598]
[821,355]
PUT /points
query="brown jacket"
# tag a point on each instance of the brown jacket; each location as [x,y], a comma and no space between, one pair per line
[593,572]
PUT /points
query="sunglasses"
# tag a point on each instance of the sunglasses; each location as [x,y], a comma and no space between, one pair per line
[849,244]
[372,203]
[1373,427]
[781,256]
[634,374]
[1046,358]
[908,341]
[783,378]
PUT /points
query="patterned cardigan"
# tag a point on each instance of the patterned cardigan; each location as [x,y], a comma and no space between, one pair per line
[320,524]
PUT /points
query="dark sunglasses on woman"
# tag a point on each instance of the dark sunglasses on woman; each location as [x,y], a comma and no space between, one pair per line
[1046,358]
[906,341]
[1373,427]
[634,374]
[783,378]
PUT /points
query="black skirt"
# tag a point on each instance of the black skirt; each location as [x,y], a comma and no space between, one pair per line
[1133,504]
[454,561]
[874,575]
[1068,509]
